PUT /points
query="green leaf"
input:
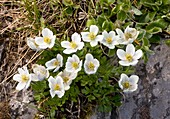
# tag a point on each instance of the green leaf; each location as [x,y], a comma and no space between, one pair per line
[155,30]
[91,97]
[52,113]
[121,15]
[155,39]
[158,23]
[110,1]
[167,42]
[67,2]
[108,26]
[136,11]
[90,22]
[145,42]
[111,52]
[141,34]
[100,20]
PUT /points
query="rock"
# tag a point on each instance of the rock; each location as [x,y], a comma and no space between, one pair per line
[22,105]
[152,99]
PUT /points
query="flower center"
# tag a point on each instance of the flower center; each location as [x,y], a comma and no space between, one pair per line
[91,66]
[47,40]
[129,57]
[66,79]
[56,63]
[109,40]
[57,87]
[126,85]
[92,36]
[75,65]
[24,78]
[73,45]
[128,35]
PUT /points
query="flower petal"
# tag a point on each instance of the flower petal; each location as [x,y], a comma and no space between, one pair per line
[52,42]
[134,62]
[56,69]
[34,77]
[28,84]
[51,81]
[80,45]
[69,51]
[76,37]
[89,57]
[93,43]
[134,79]
[39,40]
[20,86]
[130,49]
[59,93]
[105,34]
[50,64]
[121,54]
[138,54]
[65,44]
[47,32]
[133,88]
[52,93]
[94,29]
[120,33]
[17,77]
[99,38]
[123,78]
[124,63]
[112,34]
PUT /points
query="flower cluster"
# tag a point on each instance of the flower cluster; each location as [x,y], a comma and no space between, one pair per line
[62,81]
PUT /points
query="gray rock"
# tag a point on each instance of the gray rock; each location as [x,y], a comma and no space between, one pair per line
[22,105]
[152,99]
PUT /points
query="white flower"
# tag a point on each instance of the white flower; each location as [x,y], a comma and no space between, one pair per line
[129,35]
[56,86]
[130,57]
[48,39]
[110,39]
[74,45]
[55,63]
[92,36]
[73,64]
[91,65]
[31,43]
[40,73]
[23,78]
[67,78]
[128,84]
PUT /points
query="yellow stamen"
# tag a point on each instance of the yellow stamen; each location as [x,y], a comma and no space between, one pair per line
[56,63]
[75,65]
[109,40]
[73,45]
[137,42]
[65,79]
[128,35]
[126,85]
[92,36]
[47,40]
[91,66]
[129,57]
[57,87]
[24,78]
